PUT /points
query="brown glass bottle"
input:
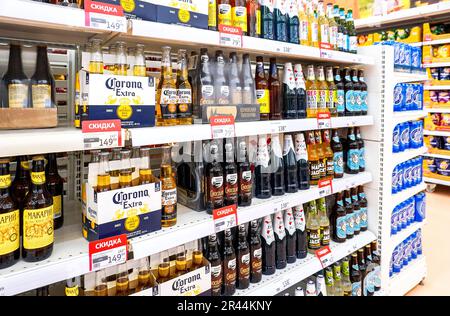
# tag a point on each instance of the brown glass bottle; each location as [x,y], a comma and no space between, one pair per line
[339,220]
[230,174]
[229,265]
[362,207]
[321,153]
[243,259]
[253,18]
[350,217]
[214,181]
[245,175]
[275,91]
[38,231]
[356,211]
[262,89]
[9,220]
[101,287]
[42,84]
[55,187]
[168,191]
[313,157]
[15,81]
[255,253]
[163,267]
[224,12]
[338,155]
[216,266]
[355,275]
[22,182]
[184,91]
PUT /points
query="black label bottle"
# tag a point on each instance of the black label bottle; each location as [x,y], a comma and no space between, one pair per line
[229,265]
[263,188]
[281,21]
[293,22]
[290,165]
[301,156]
[205,86]
[245,177]
[38,212]
[301,91]
[352,161]
[243,259]
[9,220]
[214,180]
[55,187]
[42,82]
[268,246]
[277,166]
[289,93]
[339,220]
[340,91]
[291,236]
[300,229]
[230,174]
[280,240]
[15,81]
[216,266]
[267,19]
[255,253]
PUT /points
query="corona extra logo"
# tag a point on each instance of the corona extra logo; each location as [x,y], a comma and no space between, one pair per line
[178,284]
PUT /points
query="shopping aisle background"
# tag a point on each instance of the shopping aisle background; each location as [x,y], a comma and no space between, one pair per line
[435,237]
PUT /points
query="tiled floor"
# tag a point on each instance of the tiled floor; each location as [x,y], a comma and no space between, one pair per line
[435,242]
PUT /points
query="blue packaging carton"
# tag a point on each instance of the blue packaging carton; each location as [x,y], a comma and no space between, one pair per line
[420,206]
[416,59]
[407,58]
[404,136]
[135,9]
[409,97]
[187,13]
[395,180]
[396,139]
[394,221]
[398,97]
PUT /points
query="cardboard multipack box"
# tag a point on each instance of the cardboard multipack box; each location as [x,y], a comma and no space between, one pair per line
[135,9]
[189,13]
[128,98]
[133,211]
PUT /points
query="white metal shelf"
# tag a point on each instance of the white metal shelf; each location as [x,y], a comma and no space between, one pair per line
[436,65]
[427,154]
[408,154]
[303,268]
[436,87]
[160,135]
[405,194]
[436,133]
[405,233]
[431,43]
[409,277]
[405,116]
[436,181]
[70,254]
[437,110]
[153,32]
[405,77]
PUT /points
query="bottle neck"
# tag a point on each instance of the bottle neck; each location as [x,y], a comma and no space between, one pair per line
[15,60]
[42,61]
[260,69]
[52,166]
[273,71]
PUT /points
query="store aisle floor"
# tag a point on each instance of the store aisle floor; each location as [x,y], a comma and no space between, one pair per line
[435,237]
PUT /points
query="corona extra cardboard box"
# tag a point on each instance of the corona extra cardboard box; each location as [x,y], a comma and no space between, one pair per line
[183,12]
[128,98]
[133,211]
[135,9]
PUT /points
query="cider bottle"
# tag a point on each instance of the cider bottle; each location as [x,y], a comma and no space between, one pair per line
[239,15]
[304,29]
[323,91]
[224,12]
[332,100]
[324,27]
[312,93]
[125,173]
[55,187]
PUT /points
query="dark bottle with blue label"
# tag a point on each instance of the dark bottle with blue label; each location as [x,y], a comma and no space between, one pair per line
[340,105]
[356,93]
[364,93]
[355,275]
[338,155]
[362,208]
[352,161]
[350,215]
[267,19]
[356,212]
[281,21]
[293,22]
[362,151]
[349,94]
[339,220]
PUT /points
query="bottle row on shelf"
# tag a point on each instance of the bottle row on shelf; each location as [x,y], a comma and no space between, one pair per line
[406,252]
[407,135]
[355,275]
[407,174]
[408,212]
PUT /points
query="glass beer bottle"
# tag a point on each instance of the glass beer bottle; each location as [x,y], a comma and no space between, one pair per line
[55,187]
[168,92]
[184,91]
[312,93]
[275,91]
[268,246]
[262,89]
[243,259]
[168,191]
[42,82]
[15,80]
[255,253]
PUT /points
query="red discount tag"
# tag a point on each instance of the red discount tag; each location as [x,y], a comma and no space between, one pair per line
[222,127]
[107,252]
[323,120]
[102,134]
[104,16]
[225,218]
[230,36]
[325,256]
[325,187]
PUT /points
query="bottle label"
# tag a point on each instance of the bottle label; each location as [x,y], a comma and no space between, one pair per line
[353,159]
[314,239]
[217,182]
[184,103]
[299,218]
[224,14]
[324,36]
[38,227]
[346,42]
[72,291]
[41,95]
[267,231]
[338,159]
[340,40]
[279,226]
[363,215]
[341,227]
[376,277]
[57,206]
[358,100]
[332,99]
[356,289]
[289,222]
[312,99]
[301,151]
[340,105]
[239,17]
[350,224]
[364,99]
[38,177]
[231,187]
[9,232]
[304,30]
[314,168]
[369,286]
[262,96]
[325,235]
[232,264]
[353,43]
[350,101]
[362,161]
[256,260]
[207,91]
[212,21]
[168,103]
[169,197]
[17,95]
[330,167]
[245,259]
[357,220]
[184,96]
[216,279]
[5,181]
[314,32]
[322,102]
[333,35]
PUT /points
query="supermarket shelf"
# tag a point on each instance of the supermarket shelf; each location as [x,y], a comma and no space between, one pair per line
[437,87]
[431,43]
[436,65]
[405,233]
[414,15]
[409,277]
[70,254]
[436,181]
[438,110]
[153,32]
[301,269]
[404,77]
[436,133]
[427,154]
[405,194]
[161,135]
[408,154]
[405,116]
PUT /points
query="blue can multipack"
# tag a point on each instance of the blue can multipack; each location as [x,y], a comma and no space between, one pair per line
[420,206]
[415,134]
[394,221]
[419,242]
[396,139]
[395,180]
[407,57]
[404,214]
[416,59]
[411,210]
[414,245]
[417,97]
[400,177]
[398,97]
[397,259]
[408,105]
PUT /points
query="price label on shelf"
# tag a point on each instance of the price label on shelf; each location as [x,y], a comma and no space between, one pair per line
[104,16]
[326,53]
[230,36]
[225,218]
[107,252]
[283,285]
[222,127]
[323,120]
[102,134]
[278,127]
[325,256]
[325,187]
